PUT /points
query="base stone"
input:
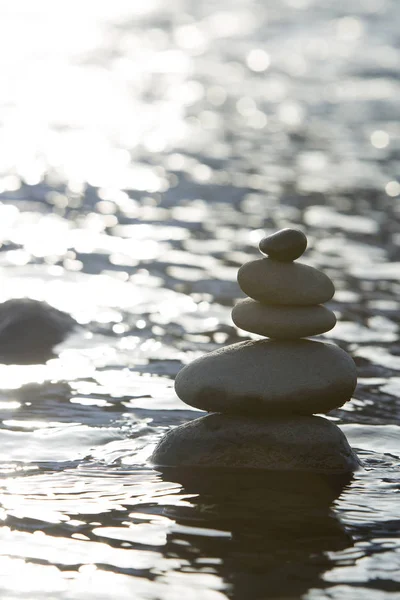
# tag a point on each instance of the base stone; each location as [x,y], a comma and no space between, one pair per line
[292,443]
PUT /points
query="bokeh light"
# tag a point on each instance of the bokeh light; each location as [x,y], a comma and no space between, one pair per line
[146,147]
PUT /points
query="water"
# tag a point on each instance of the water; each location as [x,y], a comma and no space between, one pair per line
[145,148]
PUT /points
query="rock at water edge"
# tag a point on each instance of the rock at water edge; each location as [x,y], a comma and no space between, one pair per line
[278,443]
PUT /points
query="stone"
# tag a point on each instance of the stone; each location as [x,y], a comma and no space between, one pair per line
[267,377]
[274,282]
[282,322]
[284,245]
[285,443]
[29,329]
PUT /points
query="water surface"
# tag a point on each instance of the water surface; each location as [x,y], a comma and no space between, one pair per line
[145,148]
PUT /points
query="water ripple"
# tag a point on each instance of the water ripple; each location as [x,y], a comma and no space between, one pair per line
[145,149]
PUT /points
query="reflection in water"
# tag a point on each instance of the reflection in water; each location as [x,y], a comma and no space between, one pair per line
[265,534]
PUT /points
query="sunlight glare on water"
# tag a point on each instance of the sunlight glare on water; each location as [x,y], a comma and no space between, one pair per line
[145,149]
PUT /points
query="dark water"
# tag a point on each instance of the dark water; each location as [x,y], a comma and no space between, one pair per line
[145,148]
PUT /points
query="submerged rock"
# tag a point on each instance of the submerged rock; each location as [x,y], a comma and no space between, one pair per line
[278,443]
[29,330]
[269,376]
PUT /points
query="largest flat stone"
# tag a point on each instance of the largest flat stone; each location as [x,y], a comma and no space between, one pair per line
[269,376]
[279,443]
[275,282]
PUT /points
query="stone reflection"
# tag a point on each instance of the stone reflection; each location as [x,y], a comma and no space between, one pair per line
[265,534]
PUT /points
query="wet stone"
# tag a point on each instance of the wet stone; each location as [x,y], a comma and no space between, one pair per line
[274,282]
[29,329]
[277,443]
[267,377]
[282,322]
[285,245]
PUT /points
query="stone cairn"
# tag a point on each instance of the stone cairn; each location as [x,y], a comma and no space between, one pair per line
[263,394]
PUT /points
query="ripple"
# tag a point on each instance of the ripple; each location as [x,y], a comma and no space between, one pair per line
[142,158]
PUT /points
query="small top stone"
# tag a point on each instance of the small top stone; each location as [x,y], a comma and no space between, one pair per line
[284,245]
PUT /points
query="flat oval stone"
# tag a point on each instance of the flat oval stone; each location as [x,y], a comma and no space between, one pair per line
[266,377]
[274,282]
[282,322]
[278,443]
[285,245]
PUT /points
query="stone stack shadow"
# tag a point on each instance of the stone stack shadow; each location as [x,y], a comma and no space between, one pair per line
[263,394]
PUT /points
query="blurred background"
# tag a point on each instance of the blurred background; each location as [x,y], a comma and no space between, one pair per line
[145,148]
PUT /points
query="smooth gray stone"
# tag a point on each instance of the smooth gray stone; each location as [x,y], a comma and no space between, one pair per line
[285,245]
[277,443]
[275,282]
[29,329]
[269,376]
[282,322]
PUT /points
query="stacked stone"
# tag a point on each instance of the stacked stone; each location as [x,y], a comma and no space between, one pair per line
[265,392]
[285,299]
